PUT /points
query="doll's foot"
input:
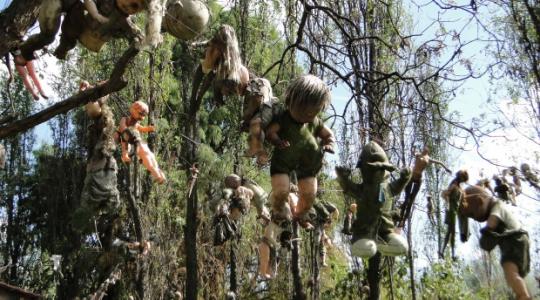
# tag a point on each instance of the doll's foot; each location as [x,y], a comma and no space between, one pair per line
[125,158]
[43,95]
[35,96]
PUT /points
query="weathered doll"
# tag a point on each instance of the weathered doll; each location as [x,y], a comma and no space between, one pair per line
[530,175]
[374,229]
[300,138]
[454,196]
[241,192]
[257,114]
[186,19]
[349,219]
[324,214]
[100,196]
[106,19]
[421,161]
[516,181]
[221,65]
[503,190]
[502,230]
[277,233]
[130,134]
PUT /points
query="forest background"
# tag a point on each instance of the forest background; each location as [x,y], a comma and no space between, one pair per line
[459,77]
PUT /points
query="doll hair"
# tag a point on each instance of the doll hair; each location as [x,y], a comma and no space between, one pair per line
[307,91]
[230,61]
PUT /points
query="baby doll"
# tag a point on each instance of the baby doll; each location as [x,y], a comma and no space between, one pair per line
[26,71]
[454,196]
[130,134]
[300,139]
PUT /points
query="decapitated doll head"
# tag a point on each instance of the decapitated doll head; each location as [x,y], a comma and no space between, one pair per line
[306,97]
[233,181]
[138,110]
[259,90]
[374,164]
[476,203]
[93,109]
[131,7]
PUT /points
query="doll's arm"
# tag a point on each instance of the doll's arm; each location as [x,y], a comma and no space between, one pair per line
[146,129]
[396,186]
[440,163]
[273,137]
[91,7]
[328,139]
[344,179]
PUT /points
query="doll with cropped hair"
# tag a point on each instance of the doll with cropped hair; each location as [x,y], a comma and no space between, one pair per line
[300,138]
[503,230]
[129,133]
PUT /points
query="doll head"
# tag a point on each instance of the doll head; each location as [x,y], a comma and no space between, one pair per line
[259,90]
[352,208]
[138,110]
[233,181]
[229,62]
[476,203]
[131,7]
[374,164]
[425,151]
[306,97]
[84,85]
[461,176]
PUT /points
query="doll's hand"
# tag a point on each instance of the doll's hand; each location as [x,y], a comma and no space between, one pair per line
[405,172]
[343,171]
[328,148]
[151,128]
[125,158]
[283,144]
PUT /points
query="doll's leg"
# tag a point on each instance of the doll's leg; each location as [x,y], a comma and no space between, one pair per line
[125,152]
[150,162]
[515,281]
[280,191]
[307,189]
[26,81]
[256,142]
[35,78]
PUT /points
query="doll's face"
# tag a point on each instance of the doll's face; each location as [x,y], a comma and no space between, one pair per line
[138,113]
[130,7]
[306,114]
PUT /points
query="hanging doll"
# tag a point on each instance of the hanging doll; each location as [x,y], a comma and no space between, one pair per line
[186,19]
[300,138]
[421,161]
[323,214]
[259,104]
[530,175]
[277,233]
[100,196]
[516,181]
[241,192]
[503,190]
[350,217]
[503,230]
[27,72]
[454,196]
[106,19]
[374,229]
[221,65]
[130,134]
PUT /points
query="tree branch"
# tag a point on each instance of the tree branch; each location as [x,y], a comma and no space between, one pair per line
[15,21]
[114,84]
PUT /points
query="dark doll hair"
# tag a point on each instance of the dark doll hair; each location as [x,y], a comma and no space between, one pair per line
[307,91]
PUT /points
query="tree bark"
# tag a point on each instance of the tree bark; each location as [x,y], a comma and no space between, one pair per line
[15,21]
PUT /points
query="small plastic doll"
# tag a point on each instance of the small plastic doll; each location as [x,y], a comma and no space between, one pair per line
[130,134]
[27,72]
